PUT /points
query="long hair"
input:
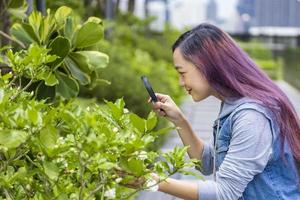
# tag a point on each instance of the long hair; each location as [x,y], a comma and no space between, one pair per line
[232,73]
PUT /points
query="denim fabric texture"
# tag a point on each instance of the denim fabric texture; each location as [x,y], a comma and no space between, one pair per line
[279,178]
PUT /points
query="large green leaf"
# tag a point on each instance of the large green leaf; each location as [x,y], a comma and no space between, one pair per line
[76,71]
[136,166]
[35,20]
[137,122]
[89,34]
[81,61]
[45,92]
[31,32]
[48,138]
[34,116]
[60,46]
[115,110]
[96,59]
[51,170]
[47,27]
[12,138]
[19,32]
[61,14]
[67,87]
[151,121]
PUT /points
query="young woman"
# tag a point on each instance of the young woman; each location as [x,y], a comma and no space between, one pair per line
[256,135]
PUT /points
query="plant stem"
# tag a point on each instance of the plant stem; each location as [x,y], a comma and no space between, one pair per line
[22,90]
[12,39]
[100,186]
[12,81]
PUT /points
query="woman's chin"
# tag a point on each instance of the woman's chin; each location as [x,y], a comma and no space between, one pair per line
[198,98]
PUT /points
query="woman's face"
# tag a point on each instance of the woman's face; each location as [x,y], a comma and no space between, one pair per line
[191,78]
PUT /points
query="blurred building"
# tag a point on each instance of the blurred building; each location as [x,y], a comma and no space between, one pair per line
[211,11]
[179,13]
[282,13]
[184,13]
[246,10]
[278,22]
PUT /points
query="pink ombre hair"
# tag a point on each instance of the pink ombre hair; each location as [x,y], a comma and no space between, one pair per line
[232,73]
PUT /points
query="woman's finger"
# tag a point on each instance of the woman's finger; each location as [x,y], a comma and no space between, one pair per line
[162,113]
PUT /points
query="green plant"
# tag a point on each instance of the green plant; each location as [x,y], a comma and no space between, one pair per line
[72,152]
[66,43]
[65,149]
[263,58]
[291,61]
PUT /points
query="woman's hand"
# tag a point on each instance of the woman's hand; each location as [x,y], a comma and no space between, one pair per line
[166,107]
[135,183]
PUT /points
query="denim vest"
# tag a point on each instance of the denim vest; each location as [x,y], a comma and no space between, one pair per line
[280,176]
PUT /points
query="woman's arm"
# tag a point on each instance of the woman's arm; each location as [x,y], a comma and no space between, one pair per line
[190,138]
[183,189]
[167,108]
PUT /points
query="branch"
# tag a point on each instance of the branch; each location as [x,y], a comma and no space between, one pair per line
[22,90]
[12,39]
[144,188]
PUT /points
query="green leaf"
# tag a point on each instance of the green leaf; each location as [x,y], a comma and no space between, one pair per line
[12,138]
[44,92]
[148,139]
[51,170]
[35,20]
[81,60]
[19,33]
[164,130]
[51,80]
[7,76]
[136,166]
[61,14]
[151,121]
[115,109]
[67,87]
[33,116]
[96,59]
[89,34]
[69,30]
[47,27]
[30,31]
[121,104]
[60,46]
[48,137]
[95,20]
[76,72]
[137,122]
[106,165]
